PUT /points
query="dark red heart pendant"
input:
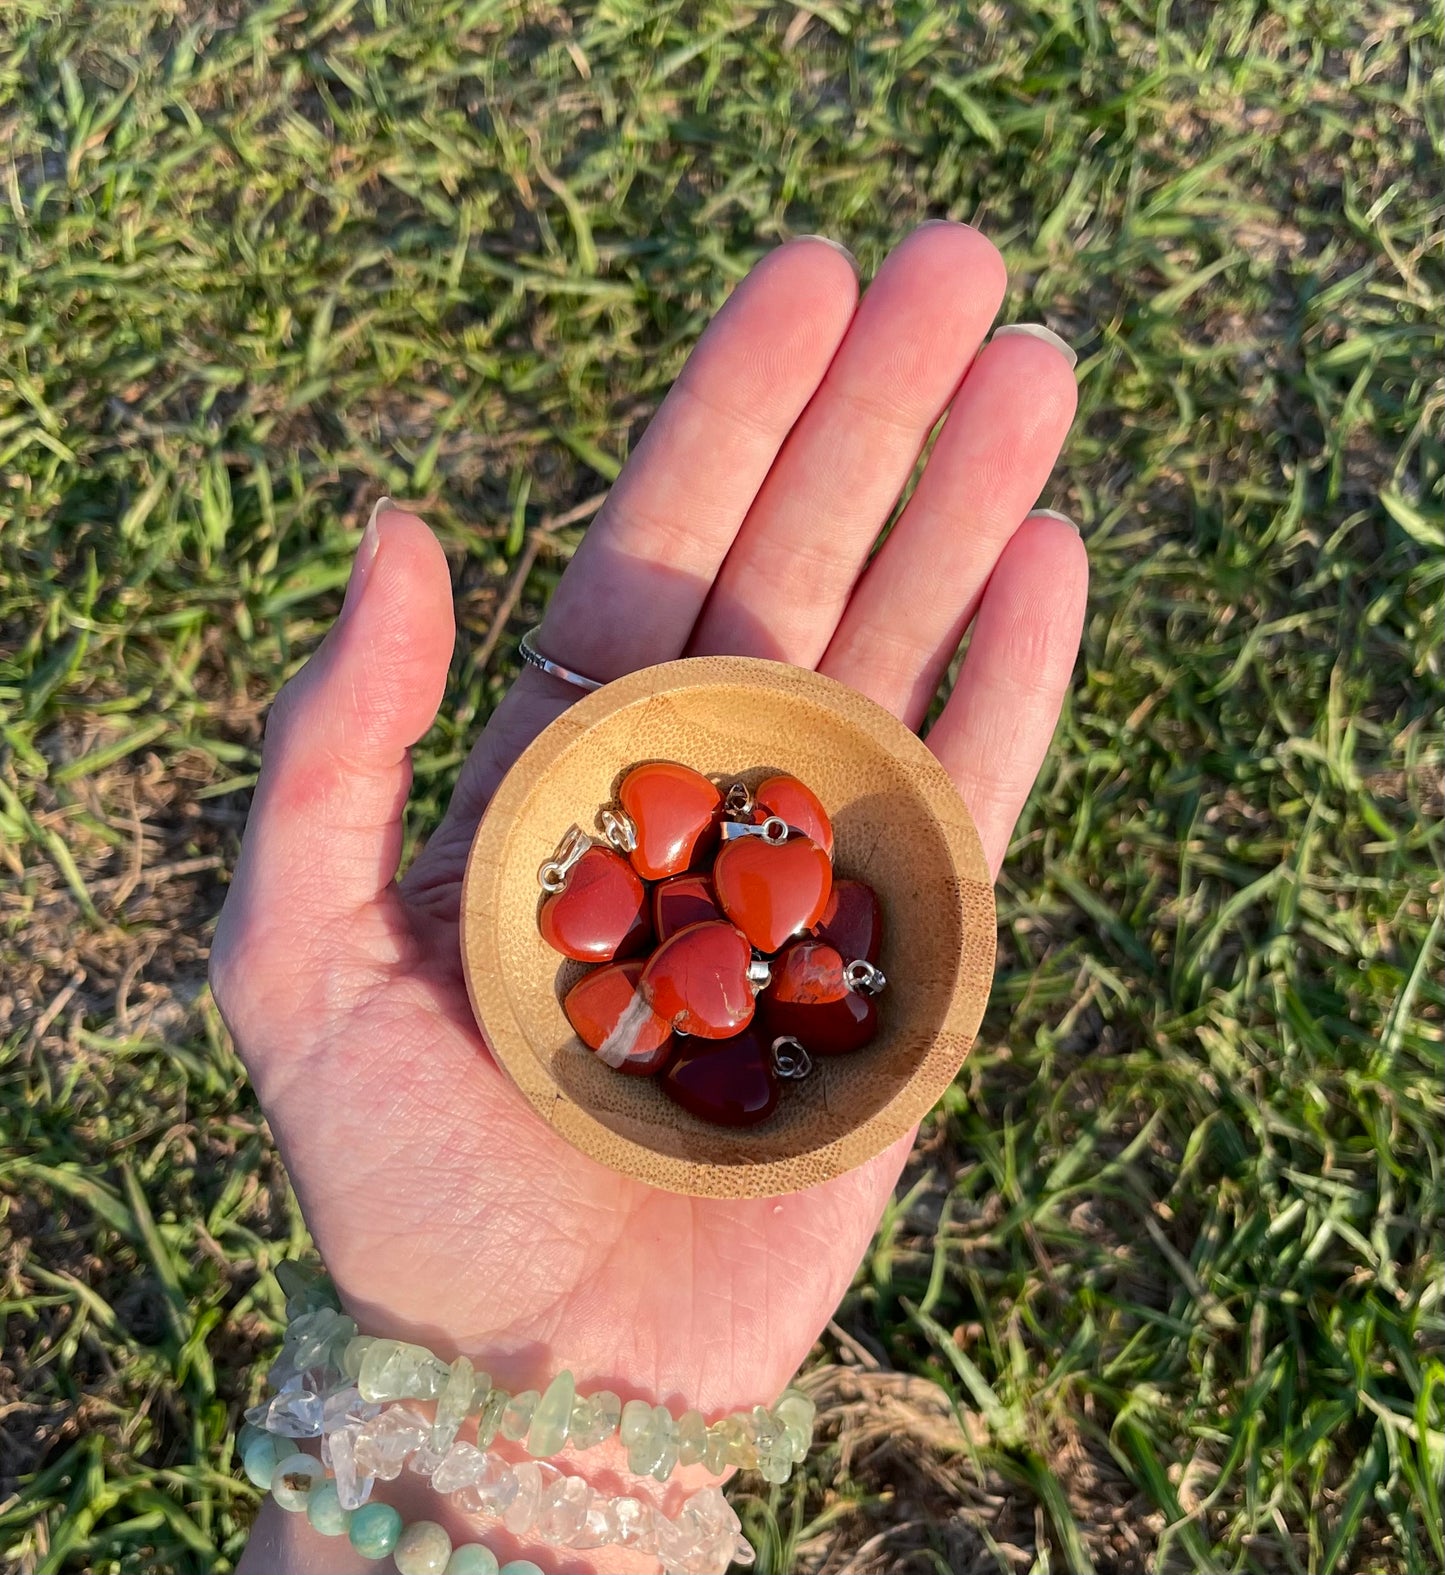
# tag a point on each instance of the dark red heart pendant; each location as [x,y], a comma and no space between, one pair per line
[598,1002]
[772,890]
[601,911]
[680,901]
[674,813]
[809,1000]
[852,923]
[729,1082]
[797,806]
[698,981]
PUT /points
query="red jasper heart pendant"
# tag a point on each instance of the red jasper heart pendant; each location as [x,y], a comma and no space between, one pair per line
[601,911]
[683,900]
[772,890]
[852,923]
[797,806]
[674,813]
[698,981]
[596,1004]
[729,1082]
[809,1000]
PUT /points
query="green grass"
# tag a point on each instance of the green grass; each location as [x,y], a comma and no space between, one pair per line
[1172,1247]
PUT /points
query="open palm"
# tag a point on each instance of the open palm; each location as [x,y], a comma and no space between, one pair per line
[445,1209]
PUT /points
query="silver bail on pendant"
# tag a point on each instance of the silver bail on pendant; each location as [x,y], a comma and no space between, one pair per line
[789,1057]
[618,829]
[863,978]
[773,829]
[760,974]
[553,874]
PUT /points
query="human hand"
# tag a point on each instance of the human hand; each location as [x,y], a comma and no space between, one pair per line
[445,1209]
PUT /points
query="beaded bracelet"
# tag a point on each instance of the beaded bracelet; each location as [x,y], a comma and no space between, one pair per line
[343,1387]
[532,1499]
[320,1337]
[298,1483]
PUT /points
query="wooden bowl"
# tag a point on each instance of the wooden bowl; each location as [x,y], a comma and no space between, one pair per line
[899,824]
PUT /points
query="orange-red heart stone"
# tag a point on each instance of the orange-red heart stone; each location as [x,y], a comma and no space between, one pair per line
[680,901]
[697,982]
[601,913]
[729,1082]
[675,812]
[797,806]
[596,1004]
[810,1001]
[852,923]
[772,890]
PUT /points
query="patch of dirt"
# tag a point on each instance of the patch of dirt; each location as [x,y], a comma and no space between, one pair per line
[151,858]
[922,1487]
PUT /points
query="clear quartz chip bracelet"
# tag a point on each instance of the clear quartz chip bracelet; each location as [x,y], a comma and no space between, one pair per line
[537,1501]
[533,1500]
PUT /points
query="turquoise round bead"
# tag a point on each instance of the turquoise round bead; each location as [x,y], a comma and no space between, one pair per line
[422,1549]
[293,1480]
[374,1529]
[472,1559]
[324,1511]
[260,1458]
[522,1567]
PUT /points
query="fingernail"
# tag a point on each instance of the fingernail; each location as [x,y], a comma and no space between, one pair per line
[1044,335]
[945,224]
[365,555]
[837,246]
[1053,514]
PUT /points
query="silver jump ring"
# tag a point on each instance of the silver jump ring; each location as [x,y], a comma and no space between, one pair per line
[789,1057]
[618,828]
[534,658]
[739,801]
[864,978]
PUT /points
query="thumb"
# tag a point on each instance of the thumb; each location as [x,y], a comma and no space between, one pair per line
[322,844]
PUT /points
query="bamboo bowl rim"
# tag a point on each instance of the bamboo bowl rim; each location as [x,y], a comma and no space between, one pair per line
[636,1130]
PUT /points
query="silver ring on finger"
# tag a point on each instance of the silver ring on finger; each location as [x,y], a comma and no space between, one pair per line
[544,664]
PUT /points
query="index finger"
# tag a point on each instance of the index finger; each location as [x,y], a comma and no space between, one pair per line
[634,589]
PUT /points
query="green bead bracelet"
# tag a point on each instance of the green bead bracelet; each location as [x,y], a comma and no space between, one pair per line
[770,1441]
